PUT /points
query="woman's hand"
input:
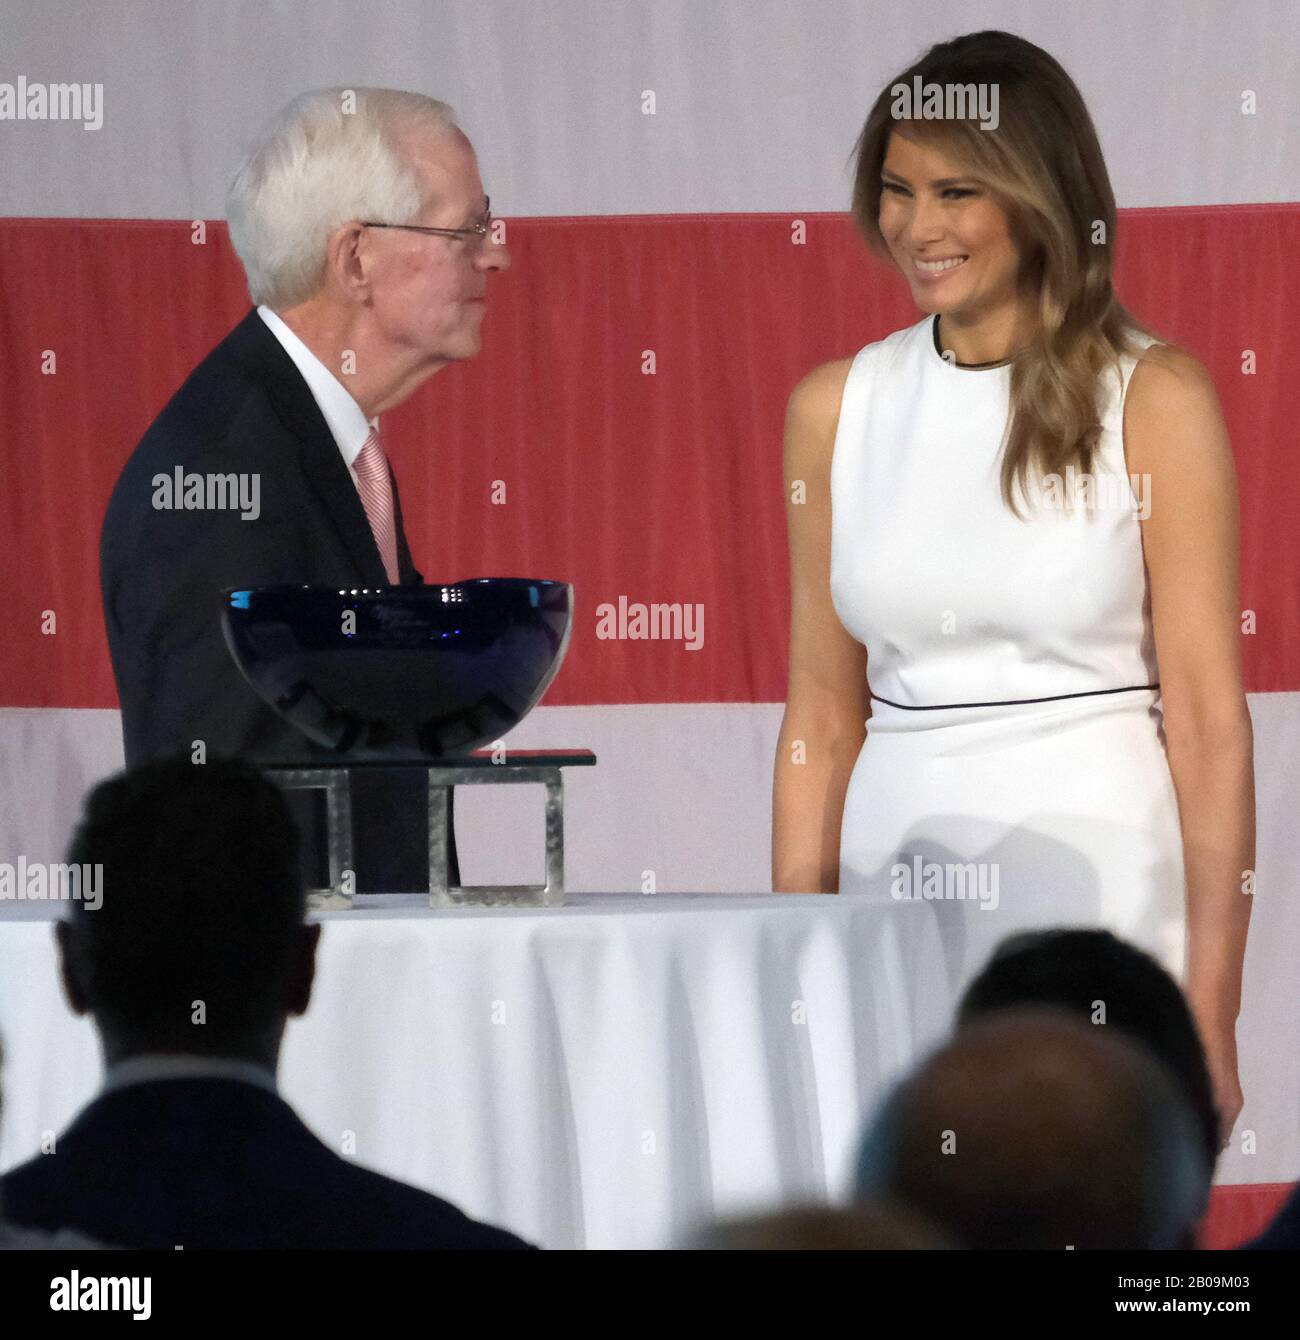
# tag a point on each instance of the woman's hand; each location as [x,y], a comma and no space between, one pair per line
[1220,1041]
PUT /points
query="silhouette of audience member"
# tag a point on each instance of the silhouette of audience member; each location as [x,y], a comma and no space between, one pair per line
[1104,979]
[1031,1129]
[189,969]
[823,1228]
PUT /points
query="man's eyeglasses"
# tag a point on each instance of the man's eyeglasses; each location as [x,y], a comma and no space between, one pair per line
[477,230]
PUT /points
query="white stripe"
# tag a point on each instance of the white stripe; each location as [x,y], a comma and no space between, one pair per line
[757,102]
[684,791]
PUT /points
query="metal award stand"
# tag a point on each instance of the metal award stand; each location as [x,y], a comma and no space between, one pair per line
[479,768]
[334,781]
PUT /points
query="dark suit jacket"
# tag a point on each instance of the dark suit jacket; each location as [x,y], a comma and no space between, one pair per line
[207,1163]
[244,410]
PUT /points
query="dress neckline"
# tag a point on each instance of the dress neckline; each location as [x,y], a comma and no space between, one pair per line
[963,367]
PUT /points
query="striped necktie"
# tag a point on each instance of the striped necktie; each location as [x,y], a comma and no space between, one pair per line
[375,487]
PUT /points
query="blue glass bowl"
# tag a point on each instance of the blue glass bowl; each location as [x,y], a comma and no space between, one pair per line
[403,671]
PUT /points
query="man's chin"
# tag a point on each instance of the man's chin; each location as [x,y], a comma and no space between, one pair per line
[458,350]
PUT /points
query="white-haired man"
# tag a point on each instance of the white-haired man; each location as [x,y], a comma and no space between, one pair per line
[365,233]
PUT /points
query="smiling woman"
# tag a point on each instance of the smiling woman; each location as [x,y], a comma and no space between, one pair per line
[1049,705]
[1029,204]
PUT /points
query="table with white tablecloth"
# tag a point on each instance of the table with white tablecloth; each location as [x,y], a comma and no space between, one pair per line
[605,1074]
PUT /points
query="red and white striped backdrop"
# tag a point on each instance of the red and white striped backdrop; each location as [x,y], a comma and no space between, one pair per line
[629,232]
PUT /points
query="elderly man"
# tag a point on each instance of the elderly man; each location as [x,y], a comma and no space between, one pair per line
[363,228]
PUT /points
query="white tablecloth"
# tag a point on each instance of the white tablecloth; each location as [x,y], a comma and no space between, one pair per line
[606,1074]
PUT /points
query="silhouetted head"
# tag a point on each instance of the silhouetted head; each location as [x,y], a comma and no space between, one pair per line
[1032,1129]
[1113,985]
[199,943]
[823,1228]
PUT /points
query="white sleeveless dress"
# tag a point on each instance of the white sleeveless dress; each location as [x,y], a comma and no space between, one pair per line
[1014,773]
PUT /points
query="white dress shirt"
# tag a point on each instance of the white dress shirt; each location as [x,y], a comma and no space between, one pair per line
[15,1237]
[344,416]
[147,1067]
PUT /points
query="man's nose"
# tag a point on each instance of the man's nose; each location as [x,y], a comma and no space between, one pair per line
[493,256]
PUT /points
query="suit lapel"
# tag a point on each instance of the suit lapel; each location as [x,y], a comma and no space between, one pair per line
[263,358]
[407,573]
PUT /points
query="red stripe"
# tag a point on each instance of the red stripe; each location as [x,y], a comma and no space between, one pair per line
[663,488]
[1239,1213]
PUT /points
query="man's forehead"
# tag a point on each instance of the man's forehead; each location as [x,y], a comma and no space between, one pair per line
[444,150]
[447,168]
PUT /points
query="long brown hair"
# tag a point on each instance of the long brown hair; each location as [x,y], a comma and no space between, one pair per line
[1044,163]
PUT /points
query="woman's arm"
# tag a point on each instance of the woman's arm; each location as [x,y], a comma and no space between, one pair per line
[827,701]
[1174,433]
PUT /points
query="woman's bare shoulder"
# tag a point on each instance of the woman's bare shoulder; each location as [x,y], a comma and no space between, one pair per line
[1169,369]
[1169,379]
[1172,415]
[815,401]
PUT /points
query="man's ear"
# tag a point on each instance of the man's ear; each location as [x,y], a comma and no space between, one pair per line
[303,971]
[346,260]
[71,967]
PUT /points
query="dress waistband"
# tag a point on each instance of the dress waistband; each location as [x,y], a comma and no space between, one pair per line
[1013,702]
